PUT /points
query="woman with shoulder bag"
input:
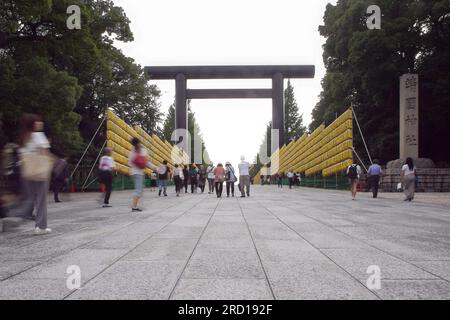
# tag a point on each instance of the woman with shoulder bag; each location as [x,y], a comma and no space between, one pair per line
[37,164]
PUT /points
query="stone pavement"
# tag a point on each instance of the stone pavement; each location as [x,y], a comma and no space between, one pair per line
[278,244]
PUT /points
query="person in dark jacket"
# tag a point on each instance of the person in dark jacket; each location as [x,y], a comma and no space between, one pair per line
[59,176]
[186,178]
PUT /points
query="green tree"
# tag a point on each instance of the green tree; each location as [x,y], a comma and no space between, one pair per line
[169,124]
[193,128]
[364,66]
[36,33]
[293,122]
[264,152]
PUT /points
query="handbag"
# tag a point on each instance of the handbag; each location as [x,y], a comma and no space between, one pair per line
[399,186]
[36,167]
[140,161]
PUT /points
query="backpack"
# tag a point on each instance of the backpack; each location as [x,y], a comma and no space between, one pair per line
[162,173]
[140,161]
[353,172]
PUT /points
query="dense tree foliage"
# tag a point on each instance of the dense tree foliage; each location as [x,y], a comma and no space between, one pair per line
[193,128]
[293,122]
[364,66]
[70,76]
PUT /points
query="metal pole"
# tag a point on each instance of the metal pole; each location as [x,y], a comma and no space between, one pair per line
[95,179]
[362,136]
[93,166]
[365,168]
[87,148]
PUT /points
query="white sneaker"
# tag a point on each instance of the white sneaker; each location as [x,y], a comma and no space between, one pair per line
[39,231]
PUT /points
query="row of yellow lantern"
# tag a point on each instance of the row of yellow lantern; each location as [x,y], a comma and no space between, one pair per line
[333,147]
[324,157]
[325,148]
[314,141]
[292,157]
[119,135]
[316,147]
[343,156]
[337,168]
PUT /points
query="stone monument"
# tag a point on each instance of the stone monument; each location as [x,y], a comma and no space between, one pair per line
[409,116]
[430,178]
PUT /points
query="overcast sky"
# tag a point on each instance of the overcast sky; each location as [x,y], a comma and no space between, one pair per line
[232,32]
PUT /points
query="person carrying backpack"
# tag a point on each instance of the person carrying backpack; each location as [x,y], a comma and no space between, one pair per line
[354,173]
[230,177]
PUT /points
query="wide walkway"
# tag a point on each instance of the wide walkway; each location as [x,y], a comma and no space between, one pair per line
[278,244]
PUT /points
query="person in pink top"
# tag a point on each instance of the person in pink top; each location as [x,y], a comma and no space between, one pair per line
[219,178]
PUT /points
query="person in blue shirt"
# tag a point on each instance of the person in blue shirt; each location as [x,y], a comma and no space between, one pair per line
[374,174]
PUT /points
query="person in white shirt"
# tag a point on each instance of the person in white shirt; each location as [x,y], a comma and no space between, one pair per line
[106,167]
[354,173]
[244,177]
[408,179]
[137,163]
[290,176]
[163,176]
[211,177]
[178,178]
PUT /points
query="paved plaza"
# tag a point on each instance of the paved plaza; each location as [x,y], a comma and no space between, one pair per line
[278,244]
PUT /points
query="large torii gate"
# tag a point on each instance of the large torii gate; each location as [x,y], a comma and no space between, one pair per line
[277,73]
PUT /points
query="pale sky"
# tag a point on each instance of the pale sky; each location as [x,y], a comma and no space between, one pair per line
[232,32]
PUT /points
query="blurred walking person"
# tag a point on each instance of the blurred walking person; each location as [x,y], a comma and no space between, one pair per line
[298,177]
[219,178]
[106,167]
[374,174]
[59,176]
[210,176]
[244,177]
[36,169]
[178,178]
[231,178]
[408,179]
[280,180]
[137,161]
